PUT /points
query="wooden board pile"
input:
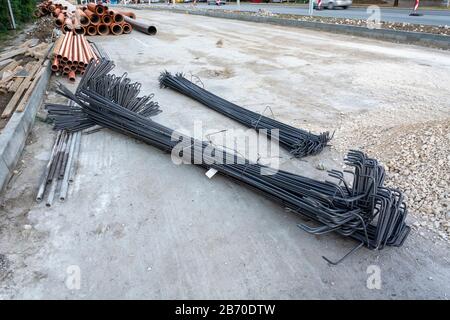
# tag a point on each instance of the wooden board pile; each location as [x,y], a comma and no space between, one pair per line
[20,71]
[71,54]
[92,19]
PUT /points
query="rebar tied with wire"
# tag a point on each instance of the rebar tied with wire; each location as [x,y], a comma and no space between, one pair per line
[120,90]
[298,142]
[364,209]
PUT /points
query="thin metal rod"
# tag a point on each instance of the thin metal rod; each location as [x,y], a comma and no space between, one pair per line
[65,180]
[43,183]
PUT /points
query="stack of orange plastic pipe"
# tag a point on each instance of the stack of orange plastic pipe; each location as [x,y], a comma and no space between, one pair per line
[71,55]
[104,21]
[92,19]
[48,7]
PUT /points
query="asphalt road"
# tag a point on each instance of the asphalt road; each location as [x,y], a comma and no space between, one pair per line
[430,17]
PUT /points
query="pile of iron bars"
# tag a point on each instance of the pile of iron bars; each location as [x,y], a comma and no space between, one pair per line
[365,209]
[61,167]
[71,54]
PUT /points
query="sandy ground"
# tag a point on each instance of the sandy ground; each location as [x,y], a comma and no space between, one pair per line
[137,226]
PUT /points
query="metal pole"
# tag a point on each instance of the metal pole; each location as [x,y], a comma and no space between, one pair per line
[239,4]
[311,7]
[11,16]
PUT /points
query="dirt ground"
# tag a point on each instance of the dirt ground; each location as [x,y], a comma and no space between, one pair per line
[137,226]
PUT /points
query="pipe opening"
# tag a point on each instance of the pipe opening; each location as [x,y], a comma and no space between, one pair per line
[126,28]
[118,18]
[95,18]
[84,21]
[103,29]
[79,31]
[99,10]
[107,19]
[116,29]
[92,31]
[151,30]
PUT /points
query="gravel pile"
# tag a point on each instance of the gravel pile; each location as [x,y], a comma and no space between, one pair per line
[442,30]
[419,164]
[417,161]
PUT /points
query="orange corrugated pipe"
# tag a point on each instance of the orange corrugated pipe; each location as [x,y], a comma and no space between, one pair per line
[56,12]
[91,30]
[91,6]
[117,16]
[97,8]
[68,25]
[63,46]
[72,76]
[76,21]
[66,55]
[101,9]
[87,50]
[128,14]
[80,52]
[55,64]
[80,31]
[84,20]
[103,29]
[75,51]
[116,29]
[127,28]
[59,21]
[107,19]
[58,44]
[93,17]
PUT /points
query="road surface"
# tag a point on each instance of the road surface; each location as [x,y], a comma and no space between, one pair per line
[430,17]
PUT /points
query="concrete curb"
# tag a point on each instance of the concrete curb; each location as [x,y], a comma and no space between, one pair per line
[14,135]
[418,38]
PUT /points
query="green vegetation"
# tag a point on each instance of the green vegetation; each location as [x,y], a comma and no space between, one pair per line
[22,9]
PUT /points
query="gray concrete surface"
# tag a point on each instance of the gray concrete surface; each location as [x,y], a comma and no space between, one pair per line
[138,226]
[13,136]
[429,17]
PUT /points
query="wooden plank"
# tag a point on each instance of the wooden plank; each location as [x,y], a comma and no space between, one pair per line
[15,84]
[4,82]
[13,53]
[9,109]
[4,63]
[30,43]
[23,102]
[9,67]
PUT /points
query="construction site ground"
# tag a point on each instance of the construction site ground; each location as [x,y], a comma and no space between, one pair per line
[138,226]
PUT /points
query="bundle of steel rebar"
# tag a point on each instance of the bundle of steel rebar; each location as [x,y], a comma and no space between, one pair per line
[298,142]
[61,167]
[113,88]
[71,54]
[364,209]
